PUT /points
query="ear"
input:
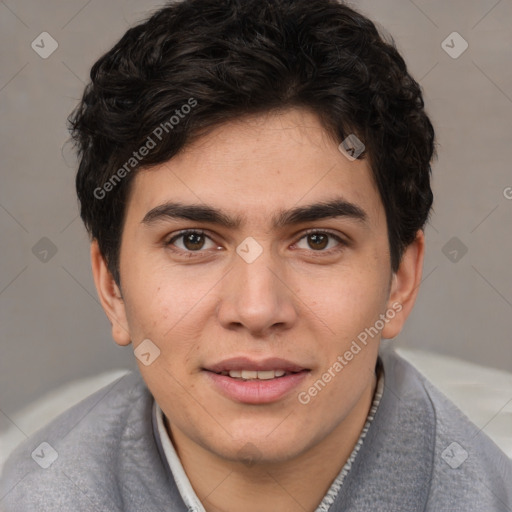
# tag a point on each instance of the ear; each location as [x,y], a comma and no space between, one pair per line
[405,286]
[110,296]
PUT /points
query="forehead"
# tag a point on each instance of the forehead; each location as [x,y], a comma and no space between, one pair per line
[257,166]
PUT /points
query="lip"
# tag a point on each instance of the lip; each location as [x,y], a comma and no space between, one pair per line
[255,391]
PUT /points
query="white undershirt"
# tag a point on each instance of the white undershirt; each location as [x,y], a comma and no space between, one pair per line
[188,494]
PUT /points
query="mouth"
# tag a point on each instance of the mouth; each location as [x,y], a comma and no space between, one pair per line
[255,382]
[245,375]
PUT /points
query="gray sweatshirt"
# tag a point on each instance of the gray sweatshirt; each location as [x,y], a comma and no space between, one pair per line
[420,453]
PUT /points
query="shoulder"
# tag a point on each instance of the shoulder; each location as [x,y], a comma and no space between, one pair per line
[56,468]
[467,466]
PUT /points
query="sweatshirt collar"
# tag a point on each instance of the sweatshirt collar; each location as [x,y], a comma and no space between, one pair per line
[394,468]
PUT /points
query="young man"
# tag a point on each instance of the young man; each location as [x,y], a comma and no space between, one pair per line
[255,177]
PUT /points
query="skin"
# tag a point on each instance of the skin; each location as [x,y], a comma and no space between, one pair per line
[299,300]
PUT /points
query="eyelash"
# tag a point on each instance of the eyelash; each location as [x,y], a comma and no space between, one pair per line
[192,254]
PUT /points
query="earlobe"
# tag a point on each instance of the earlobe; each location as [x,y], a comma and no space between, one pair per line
[405,286]
[110,296]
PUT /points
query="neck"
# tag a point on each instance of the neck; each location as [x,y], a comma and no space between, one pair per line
[287,486]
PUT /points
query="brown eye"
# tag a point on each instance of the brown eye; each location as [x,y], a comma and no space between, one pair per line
[193,241]
[318,241]
[321,241]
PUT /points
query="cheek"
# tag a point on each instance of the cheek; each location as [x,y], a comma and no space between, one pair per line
[158,297]
[348,301]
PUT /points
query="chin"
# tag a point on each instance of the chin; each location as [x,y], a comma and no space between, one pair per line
[263,449]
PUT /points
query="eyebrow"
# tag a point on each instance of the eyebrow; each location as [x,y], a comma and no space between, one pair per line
[335,208]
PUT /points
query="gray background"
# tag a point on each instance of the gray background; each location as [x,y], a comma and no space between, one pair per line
[51,325]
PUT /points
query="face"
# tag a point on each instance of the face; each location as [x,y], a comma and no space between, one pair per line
[260,248]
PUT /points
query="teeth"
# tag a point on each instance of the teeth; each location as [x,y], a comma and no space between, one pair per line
[269,374]
[249,374]
[252,374]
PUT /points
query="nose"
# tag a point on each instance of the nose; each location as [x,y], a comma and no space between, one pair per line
[256,297]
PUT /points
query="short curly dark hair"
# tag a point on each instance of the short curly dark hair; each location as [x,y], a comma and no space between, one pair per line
[230,58]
